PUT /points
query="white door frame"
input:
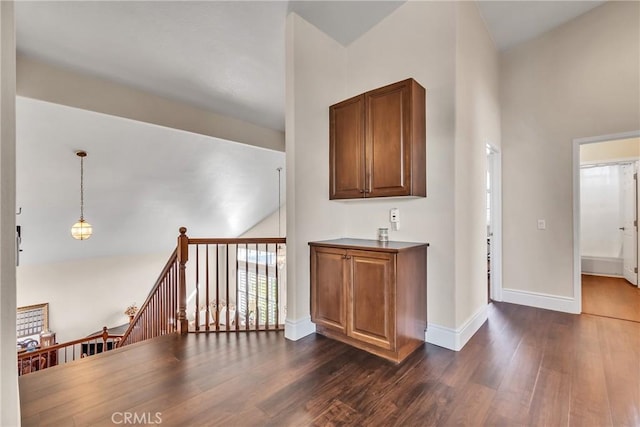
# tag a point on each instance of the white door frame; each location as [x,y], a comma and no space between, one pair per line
[494,162]
[577,265]
[630,277]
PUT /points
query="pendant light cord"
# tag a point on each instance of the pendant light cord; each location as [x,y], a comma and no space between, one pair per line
[81,188]
[279,204]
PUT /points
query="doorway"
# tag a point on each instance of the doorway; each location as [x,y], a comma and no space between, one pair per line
[606,225]
[494,224]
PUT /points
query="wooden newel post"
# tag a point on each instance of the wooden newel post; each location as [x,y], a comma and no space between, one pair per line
[105,336]
[183,257]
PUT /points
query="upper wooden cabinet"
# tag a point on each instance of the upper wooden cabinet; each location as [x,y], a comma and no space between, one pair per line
[378,143]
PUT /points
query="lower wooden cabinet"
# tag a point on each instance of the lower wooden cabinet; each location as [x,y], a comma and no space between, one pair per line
[370,295]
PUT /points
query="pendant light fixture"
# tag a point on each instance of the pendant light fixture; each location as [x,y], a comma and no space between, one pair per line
[281,250]
[81,230]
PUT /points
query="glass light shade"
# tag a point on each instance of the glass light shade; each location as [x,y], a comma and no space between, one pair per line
[81,230]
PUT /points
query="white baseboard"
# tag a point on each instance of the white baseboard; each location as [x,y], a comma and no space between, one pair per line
[616,276]
[540,300]
[296,329]
[455,339]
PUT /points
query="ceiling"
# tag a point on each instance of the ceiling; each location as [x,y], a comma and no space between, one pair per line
[225,56]
[145,181]
[514,22]
[142,182]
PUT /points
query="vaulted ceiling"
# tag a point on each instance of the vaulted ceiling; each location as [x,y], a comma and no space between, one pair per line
[225,56]
[144,181]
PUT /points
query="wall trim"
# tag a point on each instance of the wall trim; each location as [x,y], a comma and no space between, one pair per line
[541,300]
[494,160]
[603,275]
[455,339]
[296,329]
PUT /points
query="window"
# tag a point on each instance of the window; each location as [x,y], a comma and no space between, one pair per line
[257,286]
[32,319]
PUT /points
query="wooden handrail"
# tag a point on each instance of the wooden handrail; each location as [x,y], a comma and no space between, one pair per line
[240,240]
[165,271]
[251,300]
[165,309]
[36,354]
[25,354]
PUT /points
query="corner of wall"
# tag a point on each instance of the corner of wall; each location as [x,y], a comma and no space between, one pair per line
[297,329]
[315,76]
[456,339]
[477,122]
[9,396]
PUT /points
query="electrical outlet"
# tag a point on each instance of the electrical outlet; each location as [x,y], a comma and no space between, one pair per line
[394,218]
[542,224]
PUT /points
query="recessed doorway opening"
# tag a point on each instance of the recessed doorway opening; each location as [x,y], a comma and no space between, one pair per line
[606,255]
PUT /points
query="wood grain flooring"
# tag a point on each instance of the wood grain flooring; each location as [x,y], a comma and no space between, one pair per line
[610,297]
[525,366]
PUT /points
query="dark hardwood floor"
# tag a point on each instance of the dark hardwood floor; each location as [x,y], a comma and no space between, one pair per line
[611,297]
[525,366]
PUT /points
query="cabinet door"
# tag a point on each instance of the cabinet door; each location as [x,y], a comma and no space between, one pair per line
[328,288]
[346,149]
[388,140]
[372,298]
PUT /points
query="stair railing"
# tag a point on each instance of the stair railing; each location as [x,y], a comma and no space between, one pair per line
[46,357]
[233,285]
[158,315]
[236,284]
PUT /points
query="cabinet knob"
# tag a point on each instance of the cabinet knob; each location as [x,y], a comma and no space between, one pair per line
[362,191]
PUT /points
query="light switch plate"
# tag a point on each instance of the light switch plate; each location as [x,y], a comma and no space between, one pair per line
[542,224]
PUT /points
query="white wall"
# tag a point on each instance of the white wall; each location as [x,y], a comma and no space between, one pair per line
[417,40]
[477,124]
[268,227]
[9,406]
[85,295]
[315,79]
[579,80]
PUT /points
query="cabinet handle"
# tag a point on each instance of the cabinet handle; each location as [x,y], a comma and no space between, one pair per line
[346,257]
[362,191]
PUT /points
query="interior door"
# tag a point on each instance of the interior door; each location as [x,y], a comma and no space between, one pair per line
[629,227]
